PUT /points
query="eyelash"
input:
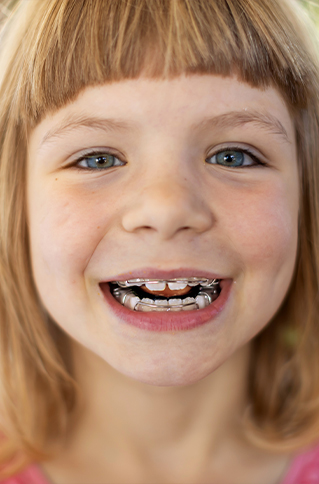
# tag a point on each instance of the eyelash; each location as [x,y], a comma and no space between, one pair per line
[99,153]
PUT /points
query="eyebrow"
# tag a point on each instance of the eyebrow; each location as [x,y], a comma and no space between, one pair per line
[236,119]
[232,119]
[74,122]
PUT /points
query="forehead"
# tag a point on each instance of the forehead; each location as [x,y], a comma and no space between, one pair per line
[195,101]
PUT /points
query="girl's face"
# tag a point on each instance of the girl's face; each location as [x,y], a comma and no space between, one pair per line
[161,179]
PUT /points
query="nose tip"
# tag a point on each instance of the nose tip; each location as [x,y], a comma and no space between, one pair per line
[166,210]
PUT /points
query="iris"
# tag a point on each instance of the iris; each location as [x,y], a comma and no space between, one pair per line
[230,158]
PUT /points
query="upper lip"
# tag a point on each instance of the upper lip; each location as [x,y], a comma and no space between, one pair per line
[157,274]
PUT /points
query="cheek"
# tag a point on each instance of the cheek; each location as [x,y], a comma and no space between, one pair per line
[263,233]
[267,240]
[65,229]
[265,226]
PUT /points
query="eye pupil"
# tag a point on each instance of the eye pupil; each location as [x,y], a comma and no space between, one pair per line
[101,160]
[229,158]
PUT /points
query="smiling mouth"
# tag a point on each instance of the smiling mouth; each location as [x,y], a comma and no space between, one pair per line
[154,295]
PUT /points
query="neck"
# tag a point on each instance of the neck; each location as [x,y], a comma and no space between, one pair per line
[147,417]
[155,429]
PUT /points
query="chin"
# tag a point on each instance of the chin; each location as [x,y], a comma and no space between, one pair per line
[168,375]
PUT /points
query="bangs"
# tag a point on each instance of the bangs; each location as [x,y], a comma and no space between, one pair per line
[71,44]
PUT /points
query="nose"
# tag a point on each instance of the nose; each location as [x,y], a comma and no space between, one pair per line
[166,207]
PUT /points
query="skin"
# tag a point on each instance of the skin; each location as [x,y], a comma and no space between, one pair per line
[168,206]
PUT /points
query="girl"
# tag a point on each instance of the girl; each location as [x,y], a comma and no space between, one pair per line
[159,171]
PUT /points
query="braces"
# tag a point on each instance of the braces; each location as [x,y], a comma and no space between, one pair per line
[209,292]
[191,281]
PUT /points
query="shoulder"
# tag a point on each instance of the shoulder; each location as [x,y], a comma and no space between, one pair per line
[304,468]
[29,475]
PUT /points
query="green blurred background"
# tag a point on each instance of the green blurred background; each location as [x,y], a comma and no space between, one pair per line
[312,6]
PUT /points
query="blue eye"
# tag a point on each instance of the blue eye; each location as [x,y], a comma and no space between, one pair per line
[99,161]
[233,158]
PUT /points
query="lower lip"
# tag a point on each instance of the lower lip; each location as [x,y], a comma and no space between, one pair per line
[166,320]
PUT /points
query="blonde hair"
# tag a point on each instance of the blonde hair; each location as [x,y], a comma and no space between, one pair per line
[51,50]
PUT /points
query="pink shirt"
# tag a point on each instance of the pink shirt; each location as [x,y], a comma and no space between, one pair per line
[31,475]
[303,470]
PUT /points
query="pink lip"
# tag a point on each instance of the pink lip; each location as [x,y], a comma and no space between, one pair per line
[167,321]
[149,273]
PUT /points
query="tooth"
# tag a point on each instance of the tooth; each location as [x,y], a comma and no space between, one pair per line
[130,283]
[157,305]
[156,286]
[188,300]
[122,294]
[135,282]
[190,307]
[163,306]
[191,281]
[117,292]
[175,302]
[147,300]
[144,309]
[175,286]
[146,305]
[194,281]
[161,302]
[189,303]
[210,282]
[131,301]
[202,301]
[206,295]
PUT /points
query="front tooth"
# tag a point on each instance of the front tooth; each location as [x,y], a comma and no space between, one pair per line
[161,302]
[175,302]
[156,286]
[175,286]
